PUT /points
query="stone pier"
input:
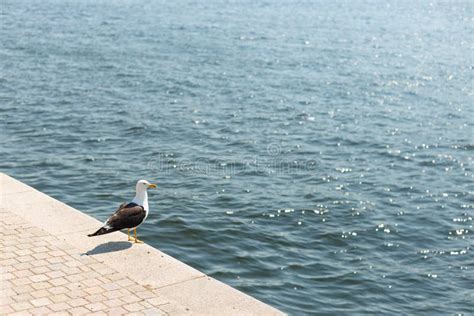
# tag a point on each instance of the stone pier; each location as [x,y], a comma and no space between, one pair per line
[49,266]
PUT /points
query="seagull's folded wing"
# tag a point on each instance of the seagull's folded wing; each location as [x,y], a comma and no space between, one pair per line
[128,216]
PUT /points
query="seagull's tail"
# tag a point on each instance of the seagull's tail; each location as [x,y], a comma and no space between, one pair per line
[101,231]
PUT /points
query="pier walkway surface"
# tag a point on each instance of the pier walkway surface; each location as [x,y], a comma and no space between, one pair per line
[49,266]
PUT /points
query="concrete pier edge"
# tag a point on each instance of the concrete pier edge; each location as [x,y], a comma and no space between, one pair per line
[191,291]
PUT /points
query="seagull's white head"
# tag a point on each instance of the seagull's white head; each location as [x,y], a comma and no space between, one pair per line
[143,185]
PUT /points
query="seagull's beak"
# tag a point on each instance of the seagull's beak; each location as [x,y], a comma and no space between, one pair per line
[152,186]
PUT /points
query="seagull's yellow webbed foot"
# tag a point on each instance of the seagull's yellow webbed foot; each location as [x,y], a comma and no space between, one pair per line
[129,237]
[137,241]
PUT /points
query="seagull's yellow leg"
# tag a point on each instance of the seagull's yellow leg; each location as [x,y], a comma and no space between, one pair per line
[128,233]
[137,241]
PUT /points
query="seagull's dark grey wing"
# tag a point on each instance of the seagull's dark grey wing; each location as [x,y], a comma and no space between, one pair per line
[127,216]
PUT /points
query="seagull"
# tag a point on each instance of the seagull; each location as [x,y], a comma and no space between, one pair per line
[129,215]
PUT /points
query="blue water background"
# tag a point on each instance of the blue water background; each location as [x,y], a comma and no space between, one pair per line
[317,155]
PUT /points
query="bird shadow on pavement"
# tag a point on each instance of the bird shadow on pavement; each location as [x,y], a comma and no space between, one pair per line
[110,246]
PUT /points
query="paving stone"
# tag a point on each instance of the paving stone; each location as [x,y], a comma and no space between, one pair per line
[39,278]
[22,297]
[59,298]
[20,306]
[157,301]
[23,252]
[6,284]
[77,302]
[24,266]
[40,263]
[57,253]
[40,293]
[132,298]
[95,307]
[58,290]
[55,260]
[94,290]
[57,266]
[113,302]
[91,282]
[110,286]
[125,282]
[95,298]
[6,276]
[55,274]
[59,307]
[40,248]
[41,285]
[21,281]
[40,255]
[116,311]
[153,312]
[144,294]
[4,301]
[74,278]
[58,281]
[79,311]
[71,270]
[7,309]
[40,270]
[23,289]
[41,301]
[23,273]
[41,310]
[9,292]
[76,293]
[99,313]
[135,307]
